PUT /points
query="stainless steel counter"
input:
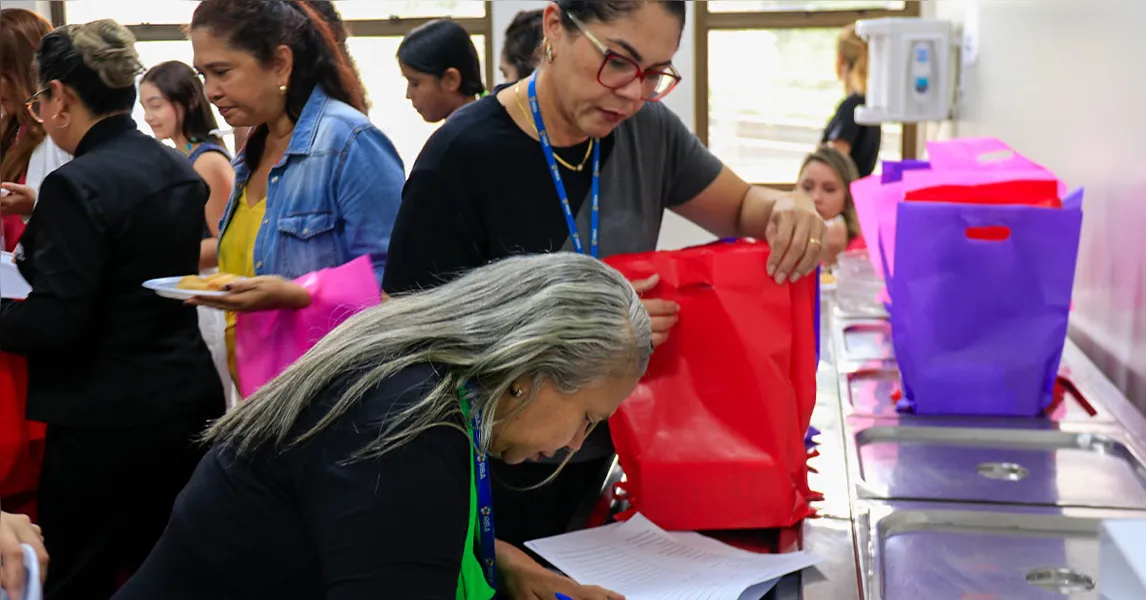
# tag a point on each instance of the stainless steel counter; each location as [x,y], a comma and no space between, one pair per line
[919,508]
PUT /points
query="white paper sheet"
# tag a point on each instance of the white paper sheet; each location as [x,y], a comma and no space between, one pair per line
[12,284]
[644,562]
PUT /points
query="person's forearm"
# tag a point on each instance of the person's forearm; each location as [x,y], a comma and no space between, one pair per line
[208,254]
[756,211]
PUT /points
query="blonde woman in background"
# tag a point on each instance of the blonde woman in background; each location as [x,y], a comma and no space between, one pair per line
[827,175]
[859,142]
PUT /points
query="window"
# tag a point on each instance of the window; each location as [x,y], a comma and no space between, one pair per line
[359,10]
[762,116]
[726,6]
[376,28]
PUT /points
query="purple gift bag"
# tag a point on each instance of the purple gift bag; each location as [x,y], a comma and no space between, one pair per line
[981,297]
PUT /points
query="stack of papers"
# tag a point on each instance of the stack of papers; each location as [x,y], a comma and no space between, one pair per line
[642,561]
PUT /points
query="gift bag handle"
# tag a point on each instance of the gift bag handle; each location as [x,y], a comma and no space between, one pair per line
[1067,386]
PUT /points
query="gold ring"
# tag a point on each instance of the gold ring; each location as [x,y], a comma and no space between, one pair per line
[814,241]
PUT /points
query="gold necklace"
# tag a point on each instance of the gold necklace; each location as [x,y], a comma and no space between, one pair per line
[529,116]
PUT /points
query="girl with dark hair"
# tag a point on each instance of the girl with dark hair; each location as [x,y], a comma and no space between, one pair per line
[121,376]
[441,67]
[26,154]
[176,109]
[522,40]
[317,184]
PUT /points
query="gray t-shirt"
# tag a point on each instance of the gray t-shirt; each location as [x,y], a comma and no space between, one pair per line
[481,190]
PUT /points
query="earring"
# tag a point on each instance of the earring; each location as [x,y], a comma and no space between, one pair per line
[548,51]
[65,125]
[283,89]
[516,392]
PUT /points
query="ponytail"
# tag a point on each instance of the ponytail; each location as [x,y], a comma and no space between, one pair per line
[853,49]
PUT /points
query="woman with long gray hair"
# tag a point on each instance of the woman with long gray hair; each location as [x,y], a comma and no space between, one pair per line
[360,471]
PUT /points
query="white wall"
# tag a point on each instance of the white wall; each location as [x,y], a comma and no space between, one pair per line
[676,232]
[1048,83]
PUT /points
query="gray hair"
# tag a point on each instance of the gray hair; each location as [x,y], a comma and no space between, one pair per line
[565,319]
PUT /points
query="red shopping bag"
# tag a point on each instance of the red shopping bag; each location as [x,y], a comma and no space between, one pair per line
[713,437]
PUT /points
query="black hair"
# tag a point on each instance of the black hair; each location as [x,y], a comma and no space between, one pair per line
[181,86]
[66,52]
[327,10]
[259,27]
[607,11]
[440,45]
[522,38]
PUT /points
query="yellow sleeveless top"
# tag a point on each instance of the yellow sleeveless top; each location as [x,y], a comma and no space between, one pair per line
[237,255]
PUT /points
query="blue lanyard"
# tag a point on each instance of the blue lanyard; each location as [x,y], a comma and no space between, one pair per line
[484,490]
[564,197]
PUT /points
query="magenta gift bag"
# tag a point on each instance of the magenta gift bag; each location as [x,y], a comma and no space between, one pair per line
[980,301]
[268,342]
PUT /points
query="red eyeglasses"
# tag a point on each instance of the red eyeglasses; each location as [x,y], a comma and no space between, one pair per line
[618,71]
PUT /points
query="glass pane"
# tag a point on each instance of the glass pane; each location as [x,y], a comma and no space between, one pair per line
[766,115]
[359,10]
[167,12]
[716,6]
[131,12]
[386,90]
[153,53]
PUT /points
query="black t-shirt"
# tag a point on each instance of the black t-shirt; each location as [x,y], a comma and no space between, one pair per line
[299,524]
[864,139]
[481,190]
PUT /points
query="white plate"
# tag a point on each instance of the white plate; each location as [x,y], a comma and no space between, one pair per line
[12,284]
[165,287]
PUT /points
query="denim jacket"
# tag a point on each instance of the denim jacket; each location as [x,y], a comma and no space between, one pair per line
[332,197]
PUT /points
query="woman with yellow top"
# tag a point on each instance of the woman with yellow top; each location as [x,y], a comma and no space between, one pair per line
[317,185]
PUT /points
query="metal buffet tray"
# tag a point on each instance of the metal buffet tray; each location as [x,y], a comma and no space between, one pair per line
[930,551]
[1068,466]
[863,342]
[868,393]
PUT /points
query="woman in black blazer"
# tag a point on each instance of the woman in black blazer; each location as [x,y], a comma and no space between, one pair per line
[121,376]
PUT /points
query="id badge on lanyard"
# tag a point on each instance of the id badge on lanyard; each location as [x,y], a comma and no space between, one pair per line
[547,147]
[484,488]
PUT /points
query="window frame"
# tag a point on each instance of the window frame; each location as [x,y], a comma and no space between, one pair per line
[384,27]
[707,22]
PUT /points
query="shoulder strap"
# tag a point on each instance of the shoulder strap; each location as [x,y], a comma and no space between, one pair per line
[206,147]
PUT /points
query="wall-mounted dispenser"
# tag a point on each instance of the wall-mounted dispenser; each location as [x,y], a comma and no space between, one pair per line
[912,70]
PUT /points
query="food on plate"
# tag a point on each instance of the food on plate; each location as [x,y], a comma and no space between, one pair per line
[209,283]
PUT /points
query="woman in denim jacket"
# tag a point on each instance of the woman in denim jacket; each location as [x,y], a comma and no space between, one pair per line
[317,185]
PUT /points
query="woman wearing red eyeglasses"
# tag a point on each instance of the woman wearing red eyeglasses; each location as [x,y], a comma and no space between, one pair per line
[580,157]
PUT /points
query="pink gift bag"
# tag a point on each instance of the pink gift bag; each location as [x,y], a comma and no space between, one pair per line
[982,154]
[267,342]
